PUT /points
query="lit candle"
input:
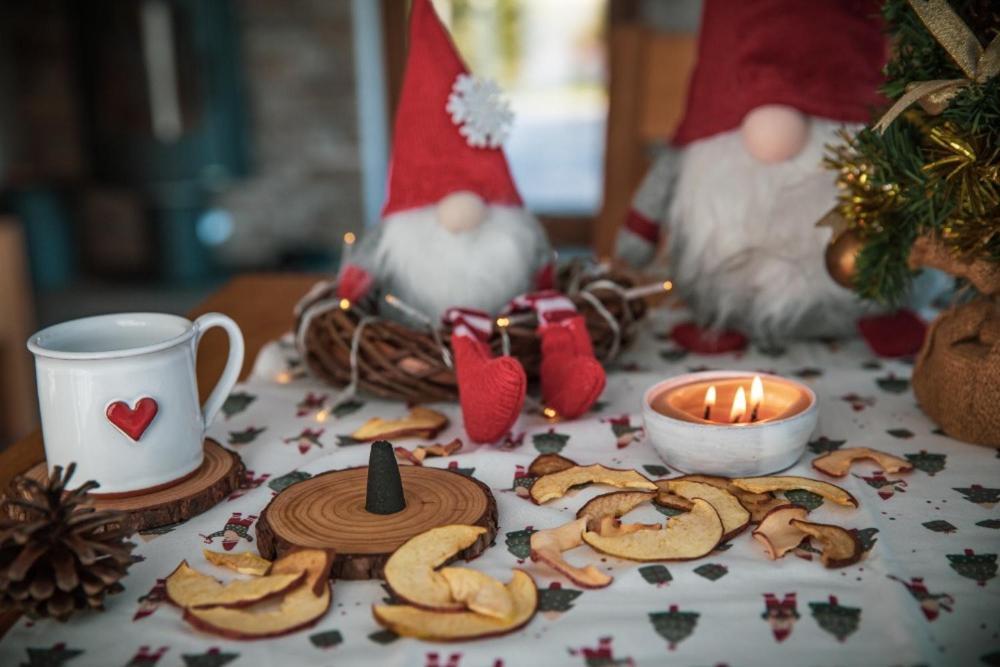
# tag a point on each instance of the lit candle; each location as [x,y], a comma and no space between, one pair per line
[739,406]
[709,401]
[756,397]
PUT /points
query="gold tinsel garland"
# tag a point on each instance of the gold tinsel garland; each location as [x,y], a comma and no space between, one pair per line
[960,169]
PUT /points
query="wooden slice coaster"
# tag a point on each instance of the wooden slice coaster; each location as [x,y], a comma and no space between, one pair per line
[219,475]
[328,511]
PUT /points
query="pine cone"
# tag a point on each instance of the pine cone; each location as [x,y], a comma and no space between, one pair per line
[56,554]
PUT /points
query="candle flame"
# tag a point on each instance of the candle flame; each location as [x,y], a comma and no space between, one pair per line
[350,238]
[756,396]
[739,408]
[710,397]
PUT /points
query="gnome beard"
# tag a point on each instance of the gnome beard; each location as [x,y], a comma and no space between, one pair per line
[743,243]
[482,267]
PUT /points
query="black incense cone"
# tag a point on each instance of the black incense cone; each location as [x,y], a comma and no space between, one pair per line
[385,488]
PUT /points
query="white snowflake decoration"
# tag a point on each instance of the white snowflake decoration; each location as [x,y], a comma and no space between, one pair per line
[479,110]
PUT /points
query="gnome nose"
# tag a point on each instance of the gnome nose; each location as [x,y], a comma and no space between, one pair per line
[775,132]
[461,211]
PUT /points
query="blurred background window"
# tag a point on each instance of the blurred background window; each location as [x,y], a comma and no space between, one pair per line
[550,57]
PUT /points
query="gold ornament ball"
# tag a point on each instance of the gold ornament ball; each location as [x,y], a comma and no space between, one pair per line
[842,258]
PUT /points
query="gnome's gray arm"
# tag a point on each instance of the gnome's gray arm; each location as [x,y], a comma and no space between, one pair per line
[640,235]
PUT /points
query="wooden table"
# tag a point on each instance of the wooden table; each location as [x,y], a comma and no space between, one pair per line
[260,303]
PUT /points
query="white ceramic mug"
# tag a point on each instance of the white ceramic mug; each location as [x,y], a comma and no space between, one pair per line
[118,395]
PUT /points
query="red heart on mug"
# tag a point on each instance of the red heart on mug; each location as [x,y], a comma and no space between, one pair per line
[133,422]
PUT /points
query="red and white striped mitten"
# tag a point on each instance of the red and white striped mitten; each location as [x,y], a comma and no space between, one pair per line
[490,390]
[572,377]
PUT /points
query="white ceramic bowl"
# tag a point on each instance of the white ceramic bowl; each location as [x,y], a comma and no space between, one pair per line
[743,450]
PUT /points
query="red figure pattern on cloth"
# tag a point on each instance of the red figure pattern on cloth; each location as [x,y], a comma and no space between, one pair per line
[781,615]
[237,528]
[150,602]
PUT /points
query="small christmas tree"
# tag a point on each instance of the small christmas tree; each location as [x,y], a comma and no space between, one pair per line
[656,574]
[839,621]
[556,600]
[921,188]
[673,625]
[519,542]
[929,463]
[979,567]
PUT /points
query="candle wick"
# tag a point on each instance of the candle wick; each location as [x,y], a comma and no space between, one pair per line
[708,412]
[753,413]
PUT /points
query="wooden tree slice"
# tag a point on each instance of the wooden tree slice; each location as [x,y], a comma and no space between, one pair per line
[328,512]
[219,475]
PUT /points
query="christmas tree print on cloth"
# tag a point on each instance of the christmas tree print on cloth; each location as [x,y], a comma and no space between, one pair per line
[236,403]
[989,523]
[51,657]
[931,604]
[453,466]
[939,526]
[346,408]
[306,439]
[246,436]
[523,482]
[383,637]
[674,625]
[519,543]
[712,571]
[555,600]
[866,536]
[781,615]
[601,655]
[824,445]
[804,498]
[656,470]
[625,434]
[326,639]
[887,488]
[237,528]
[549,442]
[150,602]
[901,433]
[893,384]
[978,567]
[928,463]
[658,575]
[980,495]
[146,657]
[839,621]
[213,657]
[279,484]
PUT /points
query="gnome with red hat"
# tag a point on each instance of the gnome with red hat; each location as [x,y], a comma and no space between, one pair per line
[740,191]
[456,243]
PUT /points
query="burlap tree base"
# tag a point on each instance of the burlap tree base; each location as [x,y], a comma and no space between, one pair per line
[957,374]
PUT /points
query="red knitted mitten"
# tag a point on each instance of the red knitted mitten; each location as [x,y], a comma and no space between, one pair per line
[572,378]
[490,391]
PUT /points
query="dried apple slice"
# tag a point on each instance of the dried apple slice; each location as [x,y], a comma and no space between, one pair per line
[417,455]
[479,592]
[686,536]
[437,626]
[245,562]
[555,485]
[664,498]
[788,483]
[838,462]
[421,422]
[777,533]
[299,609]
[187,587]
[410,573]
[615,505]
[840,547]
[758,504]
[546,464]
[735,518]
[548,546]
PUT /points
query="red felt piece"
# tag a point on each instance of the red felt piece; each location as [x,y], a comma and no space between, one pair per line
[133,422]
[898,335]
[572,378]
[707,341]
[490,391]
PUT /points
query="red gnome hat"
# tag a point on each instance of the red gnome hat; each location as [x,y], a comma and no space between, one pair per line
[822,57]
[430,157]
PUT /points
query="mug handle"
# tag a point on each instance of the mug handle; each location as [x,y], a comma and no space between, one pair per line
[234,362]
